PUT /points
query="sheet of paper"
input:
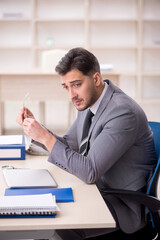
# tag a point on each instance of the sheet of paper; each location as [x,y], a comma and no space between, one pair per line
[10,139]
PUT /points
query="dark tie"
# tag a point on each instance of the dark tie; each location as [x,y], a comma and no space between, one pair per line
[86,126]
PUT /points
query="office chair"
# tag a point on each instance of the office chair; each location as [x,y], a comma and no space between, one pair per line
[151,200]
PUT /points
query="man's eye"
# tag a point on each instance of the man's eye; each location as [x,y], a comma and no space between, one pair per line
[65,87]
[77,85]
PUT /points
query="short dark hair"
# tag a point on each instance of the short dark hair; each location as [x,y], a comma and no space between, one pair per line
[78,58]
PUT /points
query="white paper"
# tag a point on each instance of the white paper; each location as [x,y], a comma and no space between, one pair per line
[10,153]
[10,139]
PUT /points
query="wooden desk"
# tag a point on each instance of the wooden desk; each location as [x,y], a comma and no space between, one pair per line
[41,85]
[87,211]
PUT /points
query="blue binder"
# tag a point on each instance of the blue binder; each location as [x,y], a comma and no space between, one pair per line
[18,147]
[61,194]
[29,216]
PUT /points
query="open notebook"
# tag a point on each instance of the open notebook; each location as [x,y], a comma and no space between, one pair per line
[27,178]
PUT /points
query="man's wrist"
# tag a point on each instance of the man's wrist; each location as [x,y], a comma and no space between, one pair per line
[49,141]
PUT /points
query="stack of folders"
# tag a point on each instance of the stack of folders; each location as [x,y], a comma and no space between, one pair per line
[12,147]
[28,205]
[31,193]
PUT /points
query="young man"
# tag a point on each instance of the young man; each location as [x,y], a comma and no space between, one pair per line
[118,151]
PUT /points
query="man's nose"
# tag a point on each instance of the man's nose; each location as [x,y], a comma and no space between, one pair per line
[71,93]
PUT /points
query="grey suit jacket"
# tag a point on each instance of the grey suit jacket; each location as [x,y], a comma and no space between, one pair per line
[121,153]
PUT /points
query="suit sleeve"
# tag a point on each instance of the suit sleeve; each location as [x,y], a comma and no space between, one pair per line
[117,135]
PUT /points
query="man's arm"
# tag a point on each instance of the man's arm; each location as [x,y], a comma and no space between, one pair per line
[42,135]
[117,136]
[34,129]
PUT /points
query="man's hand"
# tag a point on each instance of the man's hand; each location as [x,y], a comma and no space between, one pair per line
[38,133]
[24,113]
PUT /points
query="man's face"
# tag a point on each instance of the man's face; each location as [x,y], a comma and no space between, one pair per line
[81,89]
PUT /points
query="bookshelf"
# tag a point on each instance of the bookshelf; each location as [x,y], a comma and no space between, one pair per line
[125,33]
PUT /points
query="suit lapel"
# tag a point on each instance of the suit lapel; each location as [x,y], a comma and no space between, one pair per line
[104,103]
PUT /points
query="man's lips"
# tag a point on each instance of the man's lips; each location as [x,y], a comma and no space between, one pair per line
[77,101]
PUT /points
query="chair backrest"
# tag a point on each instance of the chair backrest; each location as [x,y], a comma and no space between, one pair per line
[152,189]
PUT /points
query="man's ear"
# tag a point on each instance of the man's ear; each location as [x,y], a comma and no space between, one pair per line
[97,79]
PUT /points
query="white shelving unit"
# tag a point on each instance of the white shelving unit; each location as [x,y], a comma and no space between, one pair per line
[150,57]
[125,33]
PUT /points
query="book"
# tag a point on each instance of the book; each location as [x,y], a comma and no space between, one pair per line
[12,147]
[27,178]
[61,194]
[24,205]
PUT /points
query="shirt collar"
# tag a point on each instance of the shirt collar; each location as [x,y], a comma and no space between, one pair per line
[95,107]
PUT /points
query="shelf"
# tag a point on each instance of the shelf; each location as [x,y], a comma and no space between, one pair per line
[152,47]
[15,20]
[153,74]
[151,60]
[151,19]
[15,9]
[125,33]
[113,20]
[44,48]
[114,47]
[13,34]
[25,71]
[129,74]
[151,9]
[113,9]
[115,34]
[150,100]
[5,48]
[151,33]
[38,71]
[52,30]
[83,23]
[59,9]
[50,20]
[118,57]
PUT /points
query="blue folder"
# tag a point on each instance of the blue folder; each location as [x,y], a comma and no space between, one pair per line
[28,216]
[61,194]
[18,147]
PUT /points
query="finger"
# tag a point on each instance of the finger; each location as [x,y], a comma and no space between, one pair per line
[29,122]
[25,123]
[25,113]
[19,119]
[22,112]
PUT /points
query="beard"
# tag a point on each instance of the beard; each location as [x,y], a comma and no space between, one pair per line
[82,104]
